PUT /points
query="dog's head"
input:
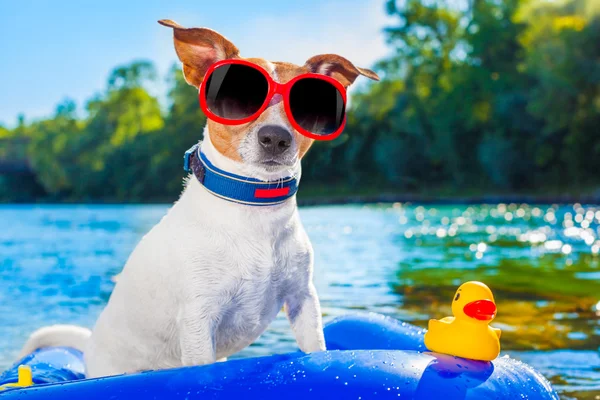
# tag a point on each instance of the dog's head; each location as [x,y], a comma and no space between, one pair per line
[269,143]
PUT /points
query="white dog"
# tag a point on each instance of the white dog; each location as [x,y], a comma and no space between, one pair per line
[208,279]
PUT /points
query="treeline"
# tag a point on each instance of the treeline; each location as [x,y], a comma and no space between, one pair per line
[492,95]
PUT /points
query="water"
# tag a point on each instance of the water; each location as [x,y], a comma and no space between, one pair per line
[56,265]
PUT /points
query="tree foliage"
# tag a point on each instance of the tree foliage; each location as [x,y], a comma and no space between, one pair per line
[480,94]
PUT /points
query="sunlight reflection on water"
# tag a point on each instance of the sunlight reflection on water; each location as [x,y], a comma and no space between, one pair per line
[56,265]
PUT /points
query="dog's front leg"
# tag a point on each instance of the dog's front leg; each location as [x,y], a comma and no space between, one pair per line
[197,336]
[304,312]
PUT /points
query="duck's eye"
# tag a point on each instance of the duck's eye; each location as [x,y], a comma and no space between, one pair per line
[457,297]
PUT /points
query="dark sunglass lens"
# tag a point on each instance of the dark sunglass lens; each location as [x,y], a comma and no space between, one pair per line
[317,106]
[235,91]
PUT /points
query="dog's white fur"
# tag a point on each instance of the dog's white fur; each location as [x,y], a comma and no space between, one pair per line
[207,280]
[203,284]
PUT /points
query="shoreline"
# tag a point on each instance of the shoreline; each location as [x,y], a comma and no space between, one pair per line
[367,199]
[422,199]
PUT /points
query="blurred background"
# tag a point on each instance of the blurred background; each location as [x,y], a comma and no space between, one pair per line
[481,101]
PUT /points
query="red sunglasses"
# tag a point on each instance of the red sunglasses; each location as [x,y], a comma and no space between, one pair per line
[235,92]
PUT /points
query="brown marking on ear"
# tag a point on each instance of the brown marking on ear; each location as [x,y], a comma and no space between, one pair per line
[198,49]
[338,68]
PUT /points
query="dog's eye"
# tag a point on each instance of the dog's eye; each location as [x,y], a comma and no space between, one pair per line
[457,297]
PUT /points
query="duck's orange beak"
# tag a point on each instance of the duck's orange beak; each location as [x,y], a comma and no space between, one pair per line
[483,310]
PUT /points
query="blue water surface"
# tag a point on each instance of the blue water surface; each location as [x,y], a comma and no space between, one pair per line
[57,263]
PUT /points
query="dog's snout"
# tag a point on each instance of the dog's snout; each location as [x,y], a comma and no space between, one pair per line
[274,139]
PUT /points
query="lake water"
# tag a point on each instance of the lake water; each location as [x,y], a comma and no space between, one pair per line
[56,265]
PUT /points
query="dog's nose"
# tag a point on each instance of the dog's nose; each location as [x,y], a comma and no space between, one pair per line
[274,139]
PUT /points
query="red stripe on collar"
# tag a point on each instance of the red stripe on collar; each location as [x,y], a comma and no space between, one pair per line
[271,193]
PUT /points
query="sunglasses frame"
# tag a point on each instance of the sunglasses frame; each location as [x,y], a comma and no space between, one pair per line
[274,88]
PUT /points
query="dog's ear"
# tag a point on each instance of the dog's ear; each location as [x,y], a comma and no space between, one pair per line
[338,68]
[198,49]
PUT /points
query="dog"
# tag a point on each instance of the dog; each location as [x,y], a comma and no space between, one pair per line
[209,278]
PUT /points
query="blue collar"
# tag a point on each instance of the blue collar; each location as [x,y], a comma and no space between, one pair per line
[236,188]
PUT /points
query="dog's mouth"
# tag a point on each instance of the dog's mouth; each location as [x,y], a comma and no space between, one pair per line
[275,165]
[272,163]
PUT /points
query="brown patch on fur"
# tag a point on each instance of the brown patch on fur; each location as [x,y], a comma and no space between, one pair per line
[261,62]
[286,71]
[227,138]
[199,48]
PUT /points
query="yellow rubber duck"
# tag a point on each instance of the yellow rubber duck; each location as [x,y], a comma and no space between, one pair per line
[467,334]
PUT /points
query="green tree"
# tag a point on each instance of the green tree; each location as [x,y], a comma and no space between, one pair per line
[51,150]
[117,120]
[184,127]
[485,94]
[563,57]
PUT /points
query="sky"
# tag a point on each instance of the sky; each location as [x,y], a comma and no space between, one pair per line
[52,50]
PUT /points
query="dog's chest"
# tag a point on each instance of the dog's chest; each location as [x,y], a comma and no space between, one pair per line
[246,316]
[239,265]
[252,296]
